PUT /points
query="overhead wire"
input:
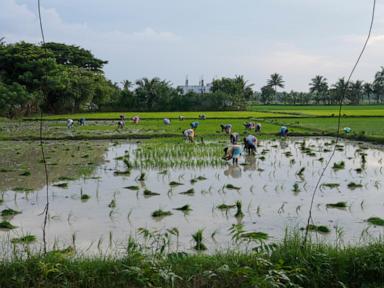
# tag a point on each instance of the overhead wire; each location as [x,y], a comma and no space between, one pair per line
[341,102]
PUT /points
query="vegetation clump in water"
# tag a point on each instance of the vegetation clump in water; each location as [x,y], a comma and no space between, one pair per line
[150,193]
[338,166]
[161,213]
[320,228]
[353,185]
[337,205]
[232,187]
[9,212]
[198,238]
[6,225]
[376,221]
[27,239]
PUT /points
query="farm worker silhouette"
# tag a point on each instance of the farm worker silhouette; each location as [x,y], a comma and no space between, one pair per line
[234,138]
[181,117]
[189,134]
[226,127]
[202,117]
[69,123]
[194,124]
[347,130]
[120,124]
[135,119]
[232,152]
[122,117]
[258,128]
[81,121]
[249,125]
[283,131]
[166,121]
[250,143]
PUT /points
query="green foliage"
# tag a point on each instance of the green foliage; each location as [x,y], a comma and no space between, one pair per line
[27,239]
[376,221]
[337,205]
[160,213]
[6,225]
[198,238]
[9,212]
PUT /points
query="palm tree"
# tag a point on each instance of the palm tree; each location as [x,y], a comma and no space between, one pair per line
[319,86]
[147,91]
[368,91]
[126,84]
[276,80]
[378,85]
[340,89]
[355,92]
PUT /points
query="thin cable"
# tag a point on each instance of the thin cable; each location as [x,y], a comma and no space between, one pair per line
[46,208]
[341,100]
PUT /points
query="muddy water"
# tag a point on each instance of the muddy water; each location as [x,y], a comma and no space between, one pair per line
[266,191]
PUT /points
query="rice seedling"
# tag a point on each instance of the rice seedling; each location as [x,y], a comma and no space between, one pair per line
[198,238]
[341,205]
[300,172]
[225,206]
[27,239]
[112,204]
[85,197]
[174,183]
[359,170]
[321,228]
[9,212]
[150,193]
[188,192]
[232,187]
[255,236]
[142,176]
[377,221]
[296,188]
[65,178]
[133,187]
[330,185]
[6,225]
[338,166]
[61,185]
[25,173]
[161,213]
[239,212]
[185,208]
[353,185]
[201,178]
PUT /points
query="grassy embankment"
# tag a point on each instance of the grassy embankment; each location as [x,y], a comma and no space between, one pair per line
[288,264]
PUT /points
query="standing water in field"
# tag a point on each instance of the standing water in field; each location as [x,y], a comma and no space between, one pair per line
[188,188]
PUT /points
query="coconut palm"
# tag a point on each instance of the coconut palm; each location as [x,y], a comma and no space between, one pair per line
[368,91]
[340,90]
[319,87]
[355,92]
[378,85]
[276,80]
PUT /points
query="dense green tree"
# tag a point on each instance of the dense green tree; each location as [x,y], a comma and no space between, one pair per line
[368,91]
[378,86]
[355,92]
[267,93]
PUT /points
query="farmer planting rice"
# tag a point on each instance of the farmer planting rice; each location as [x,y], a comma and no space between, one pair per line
[167,121]
[189,135]
[181,117]
[194,124]
[227,128]
[232,152]
[202,117]
[347,130]
[283,131]
[69,123]
[122,117]
[82,121]
[250,143]
[249,125]
[120,124]
[135,119]
[234,138]
[258,128]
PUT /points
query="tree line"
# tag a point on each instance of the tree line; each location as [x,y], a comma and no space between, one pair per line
[61,78]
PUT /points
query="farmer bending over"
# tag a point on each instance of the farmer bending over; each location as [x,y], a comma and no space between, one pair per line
[166,121]
[283,131]
[69,123]
[202,117]
[120,124]
[258,128]
[250,143]
[135,119]
[226,127]
[249,125]
[181,117]
[81,121]
[234,138]
[189,135]
[233,152]
[194,124]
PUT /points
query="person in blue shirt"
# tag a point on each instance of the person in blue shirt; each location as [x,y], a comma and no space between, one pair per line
[250,143]
[283,131]
[194,124]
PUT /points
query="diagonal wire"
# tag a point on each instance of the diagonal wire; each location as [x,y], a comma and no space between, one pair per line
[341,100]
[46,208]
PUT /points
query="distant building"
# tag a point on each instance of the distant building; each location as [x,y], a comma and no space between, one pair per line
[199,89]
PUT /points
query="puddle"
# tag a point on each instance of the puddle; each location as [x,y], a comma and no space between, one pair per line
[275,194]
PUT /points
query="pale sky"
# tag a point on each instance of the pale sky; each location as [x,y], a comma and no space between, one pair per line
[209,38]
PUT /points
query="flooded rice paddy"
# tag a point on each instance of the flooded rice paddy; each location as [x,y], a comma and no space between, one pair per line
[102,193]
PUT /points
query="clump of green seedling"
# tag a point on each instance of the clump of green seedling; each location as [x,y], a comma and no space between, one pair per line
[61,185]
[340,205]
[225,206]
[301,172]
[161,213]
[9,212]
[27,239]
[232,187]
[353,185]
[112,204]
[142,176]
[377,221]
[150,193]
[331,185]
[6,225]
[188,192]
[198,238]
[239,212]
[85,197]
[133,187]
[296,188]
[338,166]
[185,208]
[174,183]
[25,173]
[320,228]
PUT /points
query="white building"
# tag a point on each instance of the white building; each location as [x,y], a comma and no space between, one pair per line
[199,89]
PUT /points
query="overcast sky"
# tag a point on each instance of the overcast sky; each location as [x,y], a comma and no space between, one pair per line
[209,38]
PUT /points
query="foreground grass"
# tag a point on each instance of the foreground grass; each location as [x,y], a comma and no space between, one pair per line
[287,264]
